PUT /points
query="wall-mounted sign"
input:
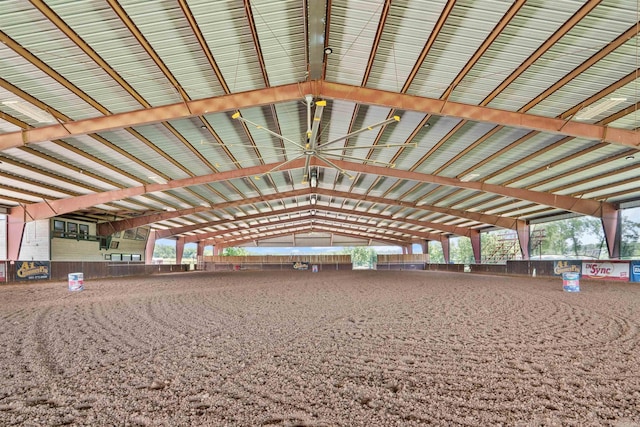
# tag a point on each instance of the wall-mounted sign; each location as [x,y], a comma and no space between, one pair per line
[300,265]
[606,270]
[635,271]
[560,267]
[32,270]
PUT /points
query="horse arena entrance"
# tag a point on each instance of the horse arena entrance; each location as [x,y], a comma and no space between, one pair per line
[338,348]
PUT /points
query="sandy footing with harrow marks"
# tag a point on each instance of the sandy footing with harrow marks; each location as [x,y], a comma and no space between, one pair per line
[362,348]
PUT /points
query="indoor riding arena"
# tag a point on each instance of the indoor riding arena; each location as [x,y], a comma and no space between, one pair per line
[336,348]
[328,213]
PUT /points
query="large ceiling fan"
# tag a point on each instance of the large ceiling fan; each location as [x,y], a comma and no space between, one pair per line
[310,146]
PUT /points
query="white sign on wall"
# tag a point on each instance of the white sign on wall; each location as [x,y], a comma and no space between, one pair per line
[606,270]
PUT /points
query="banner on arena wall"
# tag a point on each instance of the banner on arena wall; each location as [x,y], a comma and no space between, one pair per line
[566,266]
[300,265]
[3,272]
[32,270]
[606,270]
[635,271]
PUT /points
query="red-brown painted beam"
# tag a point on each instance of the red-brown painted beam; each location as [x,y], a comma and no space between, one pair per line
[571,204]
[179,249]
[610,225]
[523,238]
[304,229]
[106,228]
[58,207]
[318,209]
[446,252]
[291,225]
[475,246]
[114,226]
[433,35]
[200,107]
[440,107]
[460,231]
[15,233]
[543,48]
[326,90]
[500,221]
[150,246]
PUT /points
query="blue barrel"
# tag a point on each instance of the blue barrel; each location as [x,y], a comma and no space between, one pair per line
[571,282]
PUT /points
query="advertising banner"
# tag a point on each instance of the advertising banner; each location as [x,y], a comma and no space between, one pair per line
[635,271]
[606,270]
[32,270]
[3,272]
[566,266]
[300,265]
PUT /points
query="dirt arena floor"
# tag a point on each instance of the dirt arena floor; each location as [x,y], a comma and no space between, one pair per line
[320,349]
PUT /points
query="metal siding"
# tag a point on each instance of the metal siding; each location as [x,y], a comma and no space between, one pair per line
[229,39]
[353,28]
[405,33]
[464,31]
[279,25]
[168,32]
[139,149]
[45,165]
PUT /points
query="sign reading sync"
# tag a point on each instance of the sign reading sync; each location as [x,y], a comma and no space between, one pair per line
[609,270]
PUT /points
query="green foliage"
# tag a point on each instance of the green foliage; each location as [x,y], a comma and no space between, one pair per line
[630,238]
[579,236]
[461,251]
[164,251]
[189,253]
[436,256]
[361,256]
[235,252]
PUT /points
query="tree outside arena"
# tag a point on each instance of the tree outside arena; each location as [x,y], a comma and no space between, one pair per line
[580,237]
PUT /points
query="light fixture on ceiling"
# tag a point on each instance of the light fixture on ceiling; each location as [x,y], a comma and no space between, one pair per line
[592,111]
[314,178]
[328,50]
[30,111]
[313,199]
[312,211]
[629,157]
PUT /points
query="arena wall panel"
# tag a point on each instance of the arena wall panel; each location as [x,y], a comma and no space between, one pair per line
[59,270]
